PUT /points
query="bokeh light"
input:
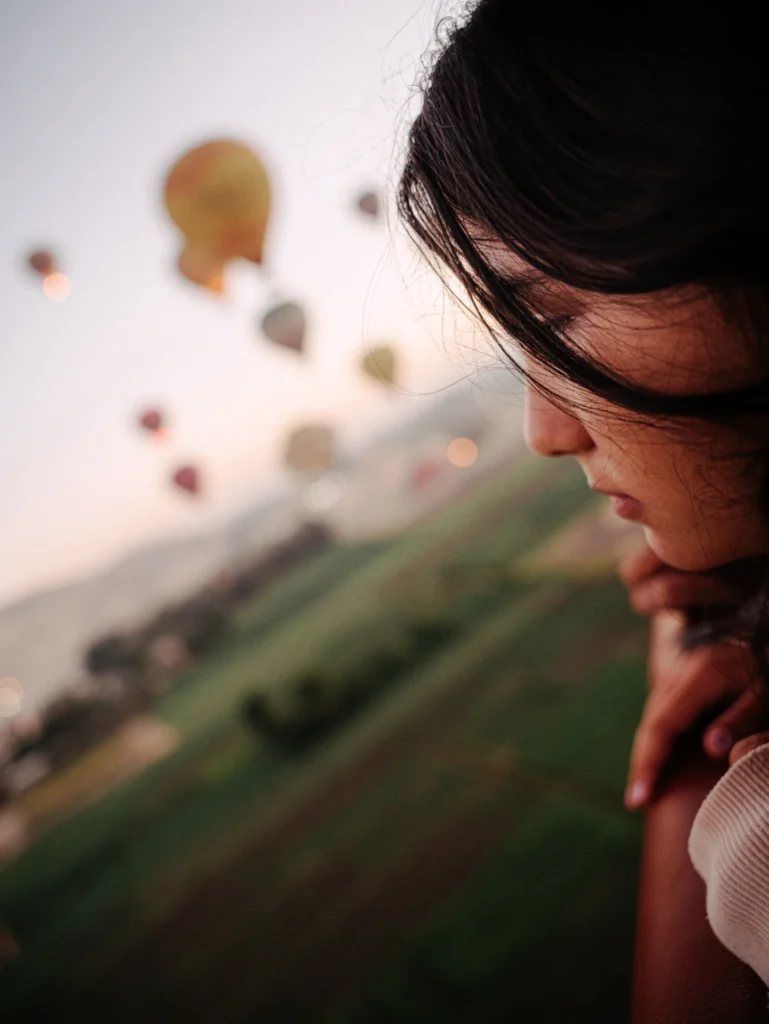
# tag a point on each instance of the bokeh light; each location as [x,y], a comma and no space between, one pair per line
[56,287]
[462,452]
[10,697]
[323,494]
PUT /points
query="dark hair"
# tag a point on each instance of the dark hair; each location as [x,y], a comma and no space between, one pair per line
[620,162]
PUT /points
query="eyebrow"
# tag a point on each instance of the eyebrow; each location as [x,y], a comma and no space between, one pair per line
[537,288]
[529,282]
[533,285]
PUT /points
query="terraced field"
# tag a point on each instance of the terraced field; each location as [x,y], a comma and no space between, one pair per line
[456,851]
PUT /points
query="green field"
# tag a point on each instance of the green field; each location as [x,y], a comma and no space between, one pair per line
[457,851]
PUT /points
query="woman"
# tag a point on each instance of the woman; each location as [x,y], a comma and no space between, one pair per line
[600,198]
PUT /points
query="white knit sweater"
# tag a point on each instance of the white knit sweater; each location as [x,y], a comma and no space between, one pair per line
[729,847]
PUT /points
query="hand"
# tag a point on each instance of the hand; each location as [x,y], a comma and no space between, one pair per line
[655,586]
[684,682]
[682,685]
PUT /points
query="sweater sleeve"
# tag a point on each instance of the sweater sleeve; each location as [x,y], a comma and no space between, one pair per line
[729,847]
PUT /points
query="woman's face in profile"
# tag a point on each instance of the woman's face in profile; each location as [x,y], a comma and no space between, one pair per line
[689,483]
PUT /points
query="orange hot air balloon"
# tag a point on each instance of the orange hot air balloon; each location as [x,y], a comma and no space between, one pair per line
[187,478]
[285,325]
[202,267]
[381,365]
[368,203]
[42,262]
[218,195]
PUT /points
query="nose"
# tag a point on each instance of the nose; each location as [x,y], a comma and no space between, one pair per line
[552,431]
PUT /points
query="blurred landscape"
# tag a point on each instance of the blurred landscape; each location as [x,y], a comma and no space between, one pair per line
[377,496]
[316,690]
[389,791]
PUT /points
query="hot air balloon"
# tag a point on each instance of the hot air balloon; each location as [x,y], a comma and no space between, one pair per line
[153,422]
[218,195]
[381,365]
[56,286]
[42,262]
[187,478]
[285,325]
[203,268]
[368,203]
[310,449]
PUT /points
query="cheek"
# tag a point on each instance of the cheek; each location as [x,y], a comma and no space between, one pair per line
[700,501]
[673,469]
[702,511]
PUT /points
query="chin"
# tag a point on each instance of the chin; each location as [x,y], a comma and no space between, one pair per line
[683,552]
[688,553]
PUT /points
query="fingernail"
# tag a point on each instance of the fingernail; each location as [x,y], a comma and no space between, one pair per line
[637,795]
[720,741]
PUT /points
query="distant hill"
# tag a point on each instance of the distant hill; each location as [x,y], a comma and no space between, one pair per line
[42,635]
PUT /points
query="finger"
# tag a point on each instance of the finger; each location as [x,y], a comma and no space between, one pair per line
[744,718]
[745,746]
[663,720]
[638,565]
[672,589]
[666,716]
[651,749]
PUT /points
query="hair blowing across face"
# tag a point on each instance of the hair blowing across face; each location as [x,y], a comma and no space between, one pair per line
[621,161]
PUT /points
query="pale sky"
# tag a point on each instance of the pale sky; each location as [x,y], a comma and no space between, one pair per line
[97,99]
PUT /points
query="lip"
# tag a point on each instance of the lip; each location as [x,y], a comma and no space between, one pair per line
[625,506]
